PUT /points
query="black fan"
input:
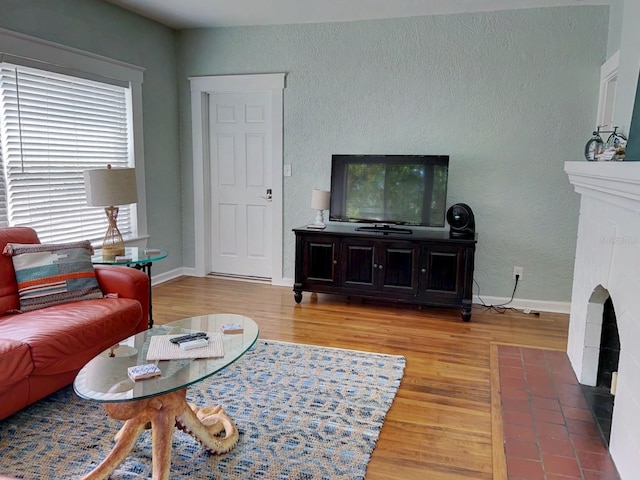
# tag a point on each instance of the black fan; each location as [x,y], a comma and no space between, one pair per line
[461,221]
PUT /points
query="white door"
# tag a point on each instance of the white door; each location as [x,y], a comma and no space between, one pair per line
[241,170]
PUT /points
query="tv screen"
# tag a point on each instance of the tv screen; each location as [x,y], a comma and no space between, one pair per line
[389,189]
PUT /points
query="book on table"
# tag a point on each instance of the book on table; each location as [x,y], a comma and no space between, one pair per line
[161,348]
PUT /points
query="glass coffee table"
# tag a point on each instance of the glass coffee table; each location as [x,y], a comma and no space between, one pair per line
[161,401]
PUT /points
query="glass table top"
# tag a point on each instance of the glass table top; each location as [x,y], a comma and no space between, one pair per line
[136,254]
[105,378]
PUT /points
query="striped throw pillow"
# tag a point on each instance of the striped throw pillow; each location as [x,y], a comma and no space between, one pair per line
[54,273]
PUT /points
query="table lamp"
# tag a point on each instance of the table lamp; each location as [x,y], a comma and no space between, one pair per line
[110,187]
[320,202]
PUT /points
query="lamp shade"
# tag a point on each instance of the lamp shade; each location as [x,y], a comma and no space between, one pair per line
[320,199]
[110,186]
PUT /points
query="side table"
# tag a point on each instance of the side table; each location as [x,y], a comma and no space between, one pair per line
[136,258]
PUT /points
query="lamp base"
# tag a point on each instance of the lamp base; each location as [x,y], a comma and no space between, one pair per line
[319,218]
[111,252]
[112,244]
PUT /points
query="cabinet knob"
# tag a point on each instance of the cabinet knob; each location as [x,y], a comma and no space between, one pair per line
[335,262]
[424,270]
[375,265]
[380,267]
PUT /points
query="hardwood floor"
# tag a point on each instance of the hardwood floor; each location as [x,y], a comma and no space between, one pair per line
[439,426]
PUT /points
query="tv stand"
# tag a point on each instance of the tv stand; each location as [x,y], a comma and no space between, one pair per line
[384,229]
[427,268]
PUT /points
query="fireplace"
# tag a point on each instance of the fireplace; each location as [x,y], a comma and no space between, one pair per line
[601,396]
[607,276]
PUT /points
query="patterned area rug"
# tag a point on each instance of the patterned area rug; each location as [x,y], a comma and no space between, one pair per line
[303,412]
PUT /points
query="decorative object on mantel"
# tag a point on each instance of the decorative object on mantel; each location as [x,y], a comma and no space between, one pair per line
[614,148]
[633,150]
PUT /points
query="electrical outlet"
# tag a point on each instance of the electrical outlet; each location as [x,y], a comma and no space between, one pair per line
[286,169]
[518,271]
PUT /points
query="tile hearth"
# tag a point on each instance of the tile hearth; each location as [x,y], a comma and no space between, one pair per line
[549,431]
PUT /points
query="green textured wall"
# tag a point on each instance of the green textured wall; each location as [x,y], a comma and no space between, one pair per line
[510,96]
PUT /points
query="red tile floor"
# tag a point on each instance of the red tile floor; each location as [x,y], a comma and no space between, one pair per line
[549,431]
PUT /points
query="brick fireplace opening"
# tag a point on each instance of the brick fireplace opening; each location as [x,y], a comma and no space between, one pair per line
[606,281]
[601,396]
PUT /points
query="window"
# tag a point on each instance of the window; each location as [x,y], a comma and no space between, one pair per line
[54,127]
[62,111]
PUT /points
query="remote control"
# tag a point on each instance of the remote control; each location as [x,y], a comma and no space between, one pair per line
[198,343]
[187,338]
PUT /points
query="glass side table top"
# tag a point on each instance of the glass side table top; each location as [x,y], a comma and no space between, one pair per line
[105,379]
[137,255]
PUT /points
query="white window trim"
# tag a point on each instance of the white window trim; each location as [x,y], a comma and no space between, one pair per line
[72,60]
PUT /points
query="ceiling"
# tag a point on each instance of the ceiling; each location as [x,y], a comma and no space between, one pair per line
[181,14]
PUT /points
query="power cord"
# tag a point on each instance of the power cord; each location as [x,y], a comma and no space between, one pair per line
[502,307]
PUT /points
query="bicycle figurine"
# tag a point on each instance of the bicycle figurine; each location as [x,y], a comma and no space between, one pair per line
[595,146]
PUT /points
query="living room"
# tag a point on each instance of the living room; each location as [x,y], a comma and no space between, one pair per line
[497,72]
[508,95]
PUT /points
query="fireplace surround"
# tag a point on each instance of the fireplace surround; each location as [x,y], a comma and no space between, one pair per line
[607,265]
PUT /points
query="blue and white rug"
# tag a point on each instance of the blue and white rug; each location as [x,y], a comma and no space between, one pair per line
[303,412]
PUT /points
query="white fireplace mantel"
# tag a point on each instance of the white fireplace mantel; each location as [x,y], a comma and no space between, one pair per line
[614,182]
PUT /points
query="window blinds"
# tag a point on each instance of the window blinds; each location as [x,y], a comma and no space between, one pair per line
[54,127]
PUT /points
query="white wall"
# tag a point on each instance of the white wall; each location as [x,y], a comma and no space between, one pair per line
[508,95]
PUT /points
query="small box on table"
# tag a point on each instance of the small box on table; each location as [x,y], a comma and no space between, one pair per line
[231,328]
[140,372]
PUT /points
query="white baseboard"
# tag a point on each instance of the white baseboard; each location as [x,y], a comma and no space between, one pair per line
[189,272]
[523,303]
[283,282]
[166,276]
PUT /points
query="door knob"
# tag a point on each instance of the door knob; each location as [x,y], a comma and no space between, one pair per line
[269,195]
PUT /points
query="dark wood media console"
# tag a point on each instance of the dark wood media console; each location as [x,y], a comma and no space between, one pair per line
[421,267]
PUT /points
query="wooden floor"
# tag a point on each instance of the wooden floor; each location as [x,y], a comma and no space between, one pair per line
[439,426]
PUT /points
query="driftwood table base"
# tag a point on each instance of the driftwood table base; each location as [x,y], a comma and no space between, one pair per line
[164,413]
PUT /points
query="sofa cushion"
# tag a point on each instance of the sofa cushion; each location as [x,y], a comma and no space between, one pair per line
[16,362]
[65,337]
[55,273]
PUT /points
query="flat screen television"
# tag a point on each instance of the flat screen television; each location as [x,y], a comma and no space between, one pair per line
[389,190]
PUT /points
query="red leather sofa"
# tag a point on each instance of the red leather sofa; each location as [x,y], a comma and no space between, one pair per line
[42,350]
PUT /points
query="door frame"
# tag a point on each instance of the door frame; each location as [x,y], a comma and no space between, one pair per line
[201,88]
[608,77]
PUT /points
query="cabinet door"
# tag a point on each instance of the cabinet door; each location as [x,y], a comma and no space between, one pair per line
[442,274]
[398,267]
[358,269]
[319,263]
